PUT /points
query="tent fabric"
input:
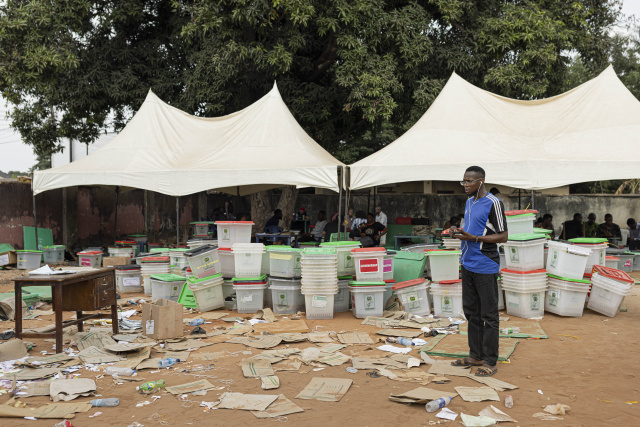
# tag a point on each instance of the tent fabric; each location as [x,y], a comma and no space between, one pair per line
[168,151]
[589,133]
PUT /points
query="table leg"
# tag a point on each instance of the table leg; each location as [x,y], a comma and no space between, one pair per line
[395,243]
[18,310]
[114,319]
[57,304]
[81,324]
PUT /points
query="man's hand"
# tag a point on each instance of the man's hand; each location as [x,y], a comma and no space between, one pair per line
[463,235]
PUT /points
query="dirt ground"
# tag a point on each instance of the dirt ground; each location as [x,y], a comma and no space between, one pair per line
[589,363]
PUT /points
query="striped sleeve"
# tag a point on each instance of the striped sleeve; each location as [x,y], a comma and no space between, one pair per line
[496,215]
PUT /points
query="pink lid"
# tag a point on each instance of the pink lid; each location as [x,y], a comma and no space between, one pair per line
[234,222]
[90,253]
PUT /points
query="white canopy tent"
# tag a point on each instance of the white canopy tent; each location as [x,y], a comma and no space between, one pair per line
[166,150]
[589,133]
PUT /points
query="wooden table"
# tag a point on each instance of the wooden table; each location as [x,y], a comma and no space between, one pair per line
[287,237]
[87,290]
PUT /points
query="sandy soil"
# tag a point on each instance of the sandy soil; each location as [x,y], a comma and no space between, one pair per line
[595,373]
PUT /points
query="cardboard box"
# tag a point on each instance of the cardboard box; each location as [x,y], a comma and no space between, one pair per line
[162,319]
[115,260]
[8,258]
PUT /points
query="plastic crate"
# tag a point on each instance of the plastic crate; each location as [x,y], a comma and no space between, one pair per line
[250,298]
[408,265]
[367,301]
[413,295]
[318,305]
[524,303]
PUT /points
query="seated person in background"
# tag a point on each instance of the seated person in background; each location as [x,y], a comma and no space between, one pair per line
[316,233]
[371,231]
[272,224]
[608,228]
[591,226]
[572,229]
[634,234]
[504,199]
[453,221]
[360,219]
[547,224]
[331,228]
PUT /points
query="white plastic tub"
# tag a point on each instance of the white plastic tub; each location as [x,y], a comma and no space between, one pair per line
[526,254]
[250,298]
[611,261]
[598,251]
[232,232]
[346,264]
[524,278]
[177,258]
[525,303]
[567,260]
[207,292]
[388,290]
[444,264]
[227,262]
[319,305]
[150,266]
[413,295]
[167,286]
[286,297]
[204,261]
[120,251]
[566,297]
[342,299]
[517,224]
[605,299]
[29,259]
[367,301]
[369,263]
[447,302]
[54,254]
[248,259]
[90,259]
[284,261]
[129,278]
[387,267]
[626,261]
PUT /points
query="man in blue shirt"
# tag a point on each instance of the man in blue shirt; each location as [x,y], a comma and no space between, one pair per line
[485,227]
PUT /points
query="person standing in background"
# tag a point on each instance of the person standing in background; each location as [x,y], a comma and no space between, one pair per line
[382,219]
[504,199]
[350,218]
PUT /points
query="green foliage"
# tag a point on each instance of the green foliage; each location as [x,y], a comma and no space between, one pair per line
[355,73]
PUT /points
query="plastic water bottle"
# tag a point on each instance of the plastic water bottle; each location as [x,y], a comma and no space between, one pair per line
[164,363]
[508,401]
[115,370]
[151,386]
[434,405]
[112,401]
[507,331]
[404,341]
[196,322]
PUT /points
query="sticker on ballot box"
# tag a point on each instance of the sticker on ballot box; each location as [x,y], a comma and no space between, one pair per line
[369,265]
[131,281]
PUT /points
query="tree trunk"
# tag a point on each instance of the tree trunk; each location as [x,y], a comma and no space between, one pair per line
[287,204]
[261,209]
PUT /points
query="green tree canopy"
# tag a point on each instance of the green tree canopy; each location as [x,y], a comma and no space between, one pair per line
[356,74]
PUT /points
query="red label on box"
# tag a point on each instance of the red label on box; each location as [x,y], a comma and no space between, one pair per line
[369,265]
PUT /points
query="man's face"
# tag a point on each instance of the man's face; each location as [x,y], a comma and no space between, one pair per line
[609,220]
[633,225]
[591,219]
[370,218]
[578,219]
[472,181]
[350,212]
[321,216]
[378,210]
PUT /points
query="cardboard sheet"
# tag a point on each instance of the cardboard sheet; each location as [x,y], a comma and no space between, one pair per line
[270,382]
[421,395]
[186,345]
[355,338]
[400,333]
[98,355]
[528,328]
[266,341]
[246,402]
[28,374]
[334,359]
[64,390]
[252,368]
[13,349]
[319,337]
[281,326]
[92,339]
[190,387]
[326,389]
[494,383]
[477,394]
[495,413]
[457,346]
[279,408]
[444,367]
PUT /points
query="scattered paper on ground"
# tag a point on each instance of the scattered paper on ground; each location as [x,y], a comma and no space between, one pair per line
[256,368]
[355,338]
[557,409]
[190,387]
[247,402]
[270,382]
[70,389]
[471,421]
[421,395]
[281,407]
[477,394]
[495,413]
[447,414]
[327,389]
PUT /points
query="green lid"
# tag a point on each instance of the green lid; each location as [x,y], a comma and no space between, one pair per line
[338,244]
[521,215]
[319,251]
[195,280]
[541,231]
[202,222]
[523,237]
[345,277]
[283,248]
[433,252]
[567,279]
[356,283]
[628,253]
[29,251]
[55,247]
[159,250]
[169,277]
[589,240]
[250,279]
[137,235]
[177,249]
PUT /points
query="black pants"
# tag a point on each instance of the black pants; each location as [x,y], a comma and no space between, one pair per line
[480,305]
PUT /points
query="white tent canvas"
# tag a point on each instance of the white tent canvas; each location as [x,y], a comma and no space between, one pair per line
[168,151]
[590,133]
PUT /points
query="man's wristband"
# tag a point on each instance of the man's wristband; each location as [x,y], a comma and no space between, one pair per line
[477,239]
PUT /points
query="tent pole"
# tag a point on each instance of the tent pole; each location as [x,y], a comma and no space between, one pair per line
[533,199]
[340,178]
[346,212]
[375,202]
[35,221]
[177,222]
[115,222]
